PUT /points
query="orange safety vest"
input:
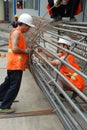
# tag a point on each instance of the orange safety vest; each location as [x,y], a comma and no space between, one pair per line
[71,75]
[17,61]
[48,7]
[79,9]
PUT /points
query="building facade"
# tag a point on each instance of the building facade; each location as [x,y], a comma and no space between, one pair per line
[34,7]
[1,11]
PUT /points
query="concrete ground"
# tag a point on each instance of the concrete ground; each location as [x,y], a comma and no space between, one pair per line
[30,98]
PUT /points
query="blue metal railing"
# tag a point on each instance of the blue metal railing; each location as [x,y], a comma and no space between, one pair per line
[84,7]
[38,7]
[14,5]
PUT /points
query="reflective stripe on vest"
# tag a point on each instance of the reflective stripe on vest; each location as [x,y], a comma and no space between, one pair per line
[19,57]
[72,76]
[10,50]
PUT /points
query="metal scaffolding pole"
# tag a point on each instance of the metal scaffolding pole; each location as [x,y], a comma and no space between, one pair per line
[84,6]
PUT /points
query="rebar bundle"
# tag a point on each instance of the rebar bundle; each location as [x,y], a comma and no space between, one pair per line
[46,35]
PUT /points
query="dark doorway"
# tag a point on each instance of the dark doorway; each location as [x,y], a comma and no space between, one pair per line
[6,11]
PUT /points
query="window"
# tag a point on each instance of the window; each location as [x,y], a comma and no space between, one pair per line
[19,4]
[27,4]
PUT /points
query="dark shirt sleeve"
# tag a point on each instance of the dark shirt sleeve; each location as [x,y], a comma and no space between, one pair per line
[51,2]
[14,25]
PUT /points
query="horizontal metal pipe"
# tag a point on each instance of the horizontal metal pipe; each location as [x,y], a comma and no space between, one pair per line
[73,41]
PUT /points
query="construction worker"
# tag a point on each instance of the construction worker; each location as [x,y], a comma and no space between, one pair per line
[69,73]
[64,8]
[16,63]
[19,5]
[14,23]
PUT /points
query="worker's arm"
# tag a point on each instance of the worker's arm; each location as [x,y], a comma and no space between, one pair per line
[9,25]
[54,62]
[15,41]
[45,52]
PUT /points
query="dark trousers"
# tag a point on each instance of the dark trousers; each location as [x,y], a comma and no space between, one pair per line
[10,88]
[65,10]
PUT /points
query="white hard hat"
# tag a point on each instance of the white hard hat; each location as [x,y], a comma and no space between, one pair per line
[65,40]
[26,19]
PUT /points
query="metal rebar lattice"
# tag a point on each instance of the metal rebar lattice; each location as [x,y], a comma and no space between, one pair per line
[72,111]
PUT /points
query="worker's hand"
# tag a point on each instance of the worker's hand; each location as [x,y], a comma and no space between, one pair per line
[59,54]
[40,49]
[56,62]
[57,3]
